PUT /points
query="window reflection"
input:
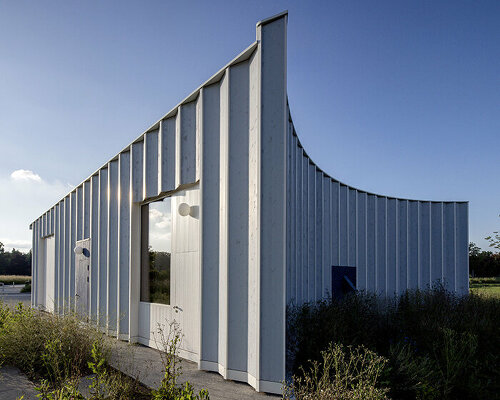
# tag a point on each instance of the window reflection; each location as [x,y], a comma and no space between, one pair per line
[156,251]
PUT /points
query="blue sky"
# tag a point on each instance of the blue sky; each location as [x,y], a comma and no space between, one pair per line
[399,97]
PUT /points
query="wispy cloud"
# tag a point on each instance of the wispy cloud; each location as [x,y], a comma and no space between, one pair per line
[25,196]
[21,245]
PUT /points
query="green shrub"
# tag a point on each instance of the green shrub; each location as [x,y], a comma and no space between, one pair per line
[438,345]
[26,288]
[350,373]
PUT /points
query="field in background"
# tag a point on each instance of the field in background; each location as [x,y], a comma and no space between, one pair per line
[485,286]
[17,279]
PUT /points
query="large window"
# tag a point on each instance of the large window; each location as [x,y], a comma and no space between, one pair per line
[156,226]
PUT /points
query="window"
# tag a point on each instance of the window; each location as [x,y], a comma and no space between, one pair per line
[156,236]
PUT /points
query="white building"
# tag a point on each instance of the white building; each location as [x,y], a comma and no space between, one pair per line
[216,217]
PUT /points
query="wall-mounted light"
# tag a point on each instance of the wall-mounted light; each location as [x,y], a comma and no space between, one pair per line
[78,250]
[81,250]
[184,209]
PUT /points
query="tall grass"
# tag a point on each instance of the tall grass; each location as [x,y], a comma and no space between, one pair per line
[16,279]
[45,346]
[57,351]
[438,345]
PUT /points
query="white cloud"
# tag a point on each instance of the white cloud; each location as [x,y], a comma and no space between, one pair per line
[25,196]
[155,214]
[21,245]
[25,175]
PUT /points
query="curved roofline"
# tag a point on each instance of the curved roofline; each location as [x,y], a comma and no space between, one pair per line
[294,133]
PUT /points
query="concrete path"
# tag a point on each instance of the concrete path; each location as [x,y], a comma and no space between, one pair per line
[14,384]
[12,295]
[145,364]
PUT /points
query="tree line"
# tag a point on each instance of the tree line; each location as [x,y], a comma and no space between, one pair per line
[14,262]
[483,263]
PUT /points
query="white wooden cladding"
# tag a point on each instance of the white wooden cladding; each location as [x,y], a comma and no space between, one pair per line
[395,244]
[229,135]
[99,209]
[271,224]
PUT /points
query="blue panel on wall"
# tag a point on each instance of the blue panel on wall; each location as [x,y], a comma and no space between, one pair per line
[343,280]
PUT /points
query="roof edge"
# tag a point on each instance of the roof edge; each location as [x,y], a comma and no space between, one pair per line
[271,19]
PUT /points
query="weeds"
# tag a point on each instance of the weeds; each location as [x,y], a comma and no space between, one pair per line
[45,346]
[169,387]
[438,345]
[345,373]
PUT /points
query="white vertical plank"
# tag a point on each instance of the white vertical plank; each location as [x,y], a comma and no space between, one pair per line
[424,278]
[402,245]
[34,264]
[436,250]
[150,172]
[103,248]
[449,245]
[254,211]
[86,210]
[352,209]
[136,161]
[371,244]
[318,238]
[344,225]
[293,216]
[199,133]
[237,214]
[72,228]
[60,287]
[224,223]
[187,144]
[272,38]
[167,157]
[123,245]
[326,237]
[305,229]
[79,213]
[112,251]
[361,267]
[56,258]
[94,247]
[391,246]
[311,230]
[413,245]
[67,253]
[299,231]
[209,221]
[461,249]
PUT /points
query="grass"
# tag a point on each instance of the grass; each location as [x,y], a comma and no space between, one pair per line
[489,287]
[17,279]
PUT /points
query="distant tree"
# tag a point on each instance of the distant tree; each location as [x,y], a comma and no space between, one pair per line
[14,262]
[483,263]
[474,249]
[494,240]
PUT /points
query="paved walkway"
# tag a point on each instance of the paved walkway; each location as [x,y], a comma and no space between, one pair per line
[14,384]
[11,295]
[145,363]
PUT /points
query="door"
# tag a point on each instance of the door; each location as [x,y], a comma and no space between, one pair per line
[49,263]
[82,254]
